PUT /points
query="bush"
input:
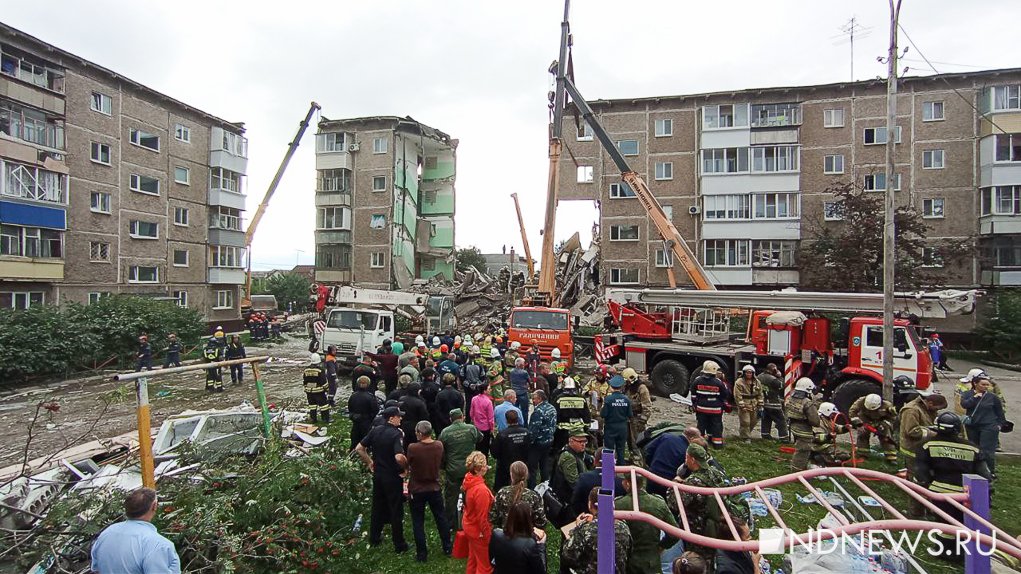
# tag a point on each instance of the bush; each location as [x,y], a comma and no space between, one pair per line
[1001,332]
[55,341]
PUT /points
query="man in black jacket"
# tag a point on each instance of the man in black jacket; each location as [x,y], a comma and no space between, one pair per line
[709,395]
[415,410]
[511,445]
[365,368]
[362,408]
[449,398]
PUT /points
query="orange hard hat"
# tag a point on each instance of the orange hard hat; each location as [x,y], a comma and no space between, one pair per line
[444,348]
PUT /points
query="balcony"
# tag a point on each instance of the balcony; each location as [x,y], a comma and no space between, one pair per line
[328,237]
[32,96]
[33,184]
[775,115]
[226,276]
[31,70]
[225,198]
[228,150]
[230,237]
[325,199]
[333,275]
[333,160]
[31,126]
[32,268]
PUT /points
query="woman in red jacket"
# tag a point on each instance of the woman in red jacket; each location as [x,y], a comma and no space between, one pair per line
[477,502]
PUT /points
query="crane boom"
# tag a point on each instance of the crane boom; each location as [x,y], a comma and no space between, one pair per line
[524,238]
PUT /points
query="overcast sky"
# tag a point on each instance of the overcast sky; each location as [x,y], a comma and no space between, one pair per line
[477,70]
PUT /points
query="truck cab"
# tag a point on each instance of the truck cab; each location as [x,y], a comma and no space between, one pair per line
[354,331]
[547,327]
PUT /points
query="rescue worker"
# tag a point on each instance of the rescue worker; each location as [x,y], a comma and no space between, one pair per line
[332,370]
[824,449]
[362,408]
[772,403]
[579,552]
[448,365]
[486,348]
[144,362]
[236,350]
[173,358]
[512,355]
[221,338]
[872,415]
[595,392]
[558,366]
[802,412]
[459,440]
[572,414]
[916,426]
[641,407]
[316,386]
[709,395]
[212,353]
[645,556]
[616,413]
[704,514]
[496,371]
[748,398]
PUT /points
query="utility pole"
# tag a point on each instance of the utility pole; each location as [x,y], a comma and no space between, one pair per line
[889,226]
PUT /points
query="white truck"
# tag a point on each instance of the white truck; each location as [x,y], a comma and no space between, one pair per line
[360,320]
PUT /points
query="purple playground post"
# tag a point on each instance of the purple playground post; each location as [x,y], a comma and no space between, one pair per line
[976,559]
[606,546]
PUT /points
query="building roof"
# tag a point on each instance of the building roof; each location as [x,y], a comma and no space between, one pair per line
[304,270]
[407,124]
[49,51]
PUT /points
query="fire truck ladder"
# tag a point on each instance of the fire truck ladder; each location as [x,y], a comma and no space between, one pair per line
[973,503]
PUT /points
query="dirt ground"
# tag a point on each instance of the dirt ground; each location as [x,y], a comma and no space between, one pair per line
[100,408]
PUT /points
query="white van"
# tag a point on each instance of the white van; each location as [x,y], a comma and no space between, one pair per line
[354,331]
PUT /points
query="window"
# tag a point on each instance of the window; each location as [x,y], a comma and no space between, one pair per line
[180,258]
[1006,98]
[931,257]
[668,211]
[726,253]
[379,183]
[774,253]
[144,229]
[586,174]
[28,69]
[225,218]
[623,276]
[664,128]
[181,296]
[725,116]
[182,175]
[377,221]
[623,233]
[181,216]
[100,153]
[335,218]
[776,205]
[584,132]
[628,147]
[379,145]
[376,260]
[334,180]
[775,158]
[1008,147]
[95,296]
[331,142]
[932,207]
[664,258]
[224,299]
[10,240]
[725,160]
[833,210]
[31,125]
[877,181]
[145,139]
[775,115]
[1001,200]
[33,183]
[721,207]
[182,133]
[621,191]
[224,180]
[932,159]
[144,184]
[99,251]
[932,111]
[100,202]
[21,299]
[234,144]
[664,170]
[141,274]
[833,164]
[833,118]
[102,103]
[21,241]
[877,136]
[226,256]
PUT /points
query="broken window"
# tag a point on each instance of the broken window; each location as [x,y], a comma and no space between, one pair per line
[377,221]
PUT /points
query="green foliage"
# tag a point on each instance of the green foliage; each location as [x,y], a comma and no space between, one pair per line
[54,341]
[469,256]
[1001,331]
[847,255]
[286,287]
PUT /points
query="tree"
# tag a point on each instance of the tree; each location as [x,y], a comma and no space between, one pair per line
[470,256]
[1000,330]
[286,287]
[847,255]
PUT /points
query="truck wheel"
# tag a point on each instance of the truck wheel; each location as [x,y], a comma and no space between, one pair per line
[851,390]
[669,377]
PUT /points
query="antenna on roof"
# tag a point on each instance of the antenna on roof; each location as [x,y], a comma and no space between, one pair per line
[848,32]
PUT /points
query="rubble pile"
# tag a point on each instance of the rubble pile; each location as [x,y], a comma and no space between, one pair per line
[480,300]
[578,280]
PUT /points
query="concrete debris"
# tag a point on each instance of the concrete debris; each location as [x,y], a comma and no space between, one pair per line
[211,433]
[578,280]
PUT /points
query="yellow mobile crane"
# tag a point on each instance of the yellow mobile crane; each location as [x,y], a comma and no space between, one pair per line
[524,239]
[250,232]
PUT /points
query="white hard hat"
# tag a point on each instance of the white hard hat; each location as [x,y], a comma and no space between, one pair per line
[826,410]
[873,401]
[315,358]
[419,339]
[804,384]
[568,383]
[515,345]
[555,353]
[475,350]
[436,341]
[468,340]
[748,368]
[710,367]
[972,374]
[457,338]
[494,353]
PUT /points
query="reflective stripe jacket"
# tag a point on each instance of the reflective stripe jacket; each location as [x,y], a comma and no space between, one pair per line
[314,377]
[915,420]
[941,462]
[709,394]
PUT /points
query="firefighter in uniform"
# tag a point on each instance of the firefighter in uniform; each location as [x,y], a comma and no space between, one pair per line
[316,387]
[803,418]
[641,407]
[558,366]
[212,353]
[616,413]
[772,403]
[871,414]
[824,450]
[596,390]
[748,398]
[572,414]
[709,395]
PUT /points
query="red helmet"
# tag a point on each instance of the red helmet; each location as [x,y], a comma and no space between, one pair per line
[935,335]
[444,348]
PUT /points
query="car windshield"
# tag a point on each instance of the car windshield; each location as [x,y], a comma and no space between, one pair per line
[435,306]
[350,319]
[539,320]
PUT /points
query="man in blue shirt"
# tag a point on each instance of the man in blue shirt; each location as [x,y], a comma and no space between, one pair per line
[520,381]
[508,404]
[134,546]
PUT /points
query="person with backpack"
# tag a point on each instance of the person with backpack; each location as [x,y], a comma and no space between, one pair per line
[704,514]
[571,463]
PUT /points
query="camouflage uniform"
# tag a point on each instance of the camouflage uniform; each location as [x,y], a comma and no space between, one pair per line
[580,554]
[641,408]
[703,512]
[504,501]
[882,419]
[647,543]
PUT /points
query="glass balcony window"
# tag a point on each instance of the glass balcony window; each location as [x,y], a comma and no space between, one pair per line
[33,183]
[30,70]
[775,115]
[31,126]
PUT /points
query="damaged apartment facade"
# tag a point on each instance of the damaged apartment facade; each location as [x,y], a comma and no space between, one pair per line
[384,202]
[110,187]
[741,173]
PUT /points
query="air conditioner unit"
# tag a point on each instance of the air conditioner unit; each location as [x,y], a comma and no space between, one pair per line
[354,147]
[694,210]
